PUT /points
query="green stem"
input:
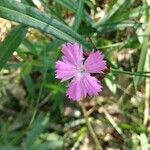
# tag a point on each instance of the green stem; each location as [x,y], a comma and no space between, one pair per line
[89,126]
[143,74]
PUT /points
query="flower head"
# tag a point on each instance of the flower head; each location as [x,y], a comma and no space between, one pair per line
[74,66]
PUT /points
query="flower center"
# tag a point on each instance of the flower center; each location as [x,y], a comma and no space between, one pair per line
[81,69]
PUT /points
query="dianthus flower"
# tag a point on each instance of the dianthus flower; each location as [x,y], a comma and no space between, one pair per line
[75,66]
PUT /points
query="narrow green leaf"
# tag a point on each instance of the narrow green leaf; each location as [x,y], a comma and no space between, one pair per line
[36,130]
[79,15]
[15,11]
[30,86]
[11,43]
[28,2]
[119,5]
[8,148]
[67,4]
[138,74]
[53,45]
[118,25]
[136,12]
[30,46]
[50,11]
[144,50]
[71,5]
[111,12]
[48,145]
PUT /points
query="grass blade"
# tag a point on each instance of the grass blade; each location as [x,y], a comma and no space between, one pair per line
[8,148]
[15,11]
[30,86]
[138,74]
[79,15]
[119,5]
[73,7]
[11,43]
[28,2]
[118,25]
[143,50]
[37,127]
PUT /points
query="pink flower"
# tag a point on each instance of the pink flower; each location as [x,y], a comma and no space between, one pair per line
[74,66]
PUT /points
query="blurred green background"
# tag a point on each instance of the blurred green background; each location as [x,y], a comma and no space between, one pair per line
[35,113]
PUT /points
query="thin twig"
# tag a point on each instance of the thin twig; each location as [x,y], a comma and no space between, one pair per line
[125,92]
[95,48]
[111,120]
[147,92]
[89,126]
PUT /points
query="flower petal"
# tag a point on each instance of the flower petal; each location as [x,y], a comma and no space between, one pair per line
[92,85]
[82,86]
[65,70]
[95,63]
[73,53]
[76,90]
